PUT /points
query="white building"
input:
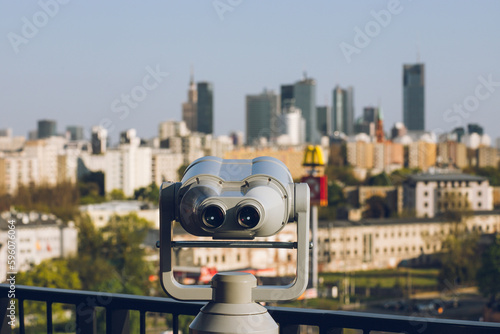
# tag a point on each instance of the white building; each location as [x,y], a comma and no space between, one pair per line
[165,164]
[431,194]
[293,130]
[38,237]
[46,152]
[172,129]
[128,167]
[102,212]
[17,170]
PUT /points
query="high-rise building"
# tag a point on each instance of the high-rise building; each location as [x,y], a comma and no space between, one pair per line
[343,110]
[379,127]
[367,122]
[75,132]
[414,97]
[287,95]
[205,108]
[475,128]
[189,113]
[99,140]
[46,128]
[305,100]
[262,113]
[6,132]
[323,120]
[292,126]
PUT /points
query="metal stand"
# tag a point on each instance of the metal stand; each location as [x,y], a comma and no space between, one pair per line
[232,309]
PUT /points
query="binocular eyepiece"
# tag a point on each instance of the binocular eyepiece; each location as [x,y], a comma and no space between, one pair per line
[235,199]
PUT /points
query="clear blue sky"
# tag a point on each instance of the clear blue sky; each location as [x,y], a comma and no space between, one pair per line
[91,52]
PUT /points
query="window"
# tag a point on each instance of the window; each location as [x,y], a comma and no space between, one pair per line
[426,204]
[426,193]
[479,194]
[479,204]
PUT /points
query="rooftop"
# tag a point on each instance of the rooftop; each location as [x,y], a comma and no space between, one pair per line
[31,219]
[446,177]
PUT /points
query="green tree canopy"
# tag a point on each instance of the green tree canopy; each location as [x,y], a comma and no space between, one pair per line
[376,207]
[488,275]
[61,200]
[344,174]
[53,273]
[115,254]
[117,194]
[151,193]
[458,257]
[181,170]
[492,173]
[381,179]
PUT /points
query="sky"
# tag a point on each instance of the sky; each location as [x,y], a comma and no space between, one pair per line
[126,64]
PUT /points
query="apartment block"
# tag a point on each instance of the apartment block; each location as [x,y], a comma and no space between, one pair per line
[431,194]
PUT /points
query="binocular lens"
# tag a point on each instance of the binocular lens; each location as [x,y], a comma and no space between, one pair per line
[248,216]
[213,216]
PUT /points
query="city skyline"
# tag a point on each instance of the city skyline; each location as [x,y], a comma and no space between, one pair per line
[79,65]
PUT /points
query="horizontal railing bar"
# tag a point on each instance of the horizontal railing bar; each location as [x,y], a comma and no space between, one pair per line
[104,299]
[235,244]
[324,319]
[379,322]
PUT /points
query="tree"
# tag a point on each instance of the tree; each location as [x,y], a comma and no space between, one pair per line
[151,193]
[376,207]
[61,200]
[91,188]
[117,195]
[122,248]
[398,176]
[379,180]
[492,173]
[115,254]
[459,248]
[52,273]
[489,273]
[336,199]
[344,175]
[181,170]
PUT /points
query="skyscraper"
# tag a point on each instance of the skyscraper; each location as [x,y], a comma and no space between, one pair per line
[99,140]
[287,95]
[323,120]
[46,128]
[189,112]
[262,113]
[305,100]
[205,108]
[343,110]
[414,97]
[75,132]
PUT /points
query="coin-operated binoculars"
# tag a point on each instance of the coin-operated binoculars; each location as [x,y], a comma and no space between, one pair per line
[234,201]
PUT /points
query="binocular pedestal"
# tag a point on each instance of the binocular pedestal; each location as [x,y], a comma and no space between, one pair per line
[232,309]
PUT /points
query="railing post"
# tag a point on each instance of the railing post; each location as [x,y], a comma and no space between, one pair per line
[117,321]
[86,319]
[4,323]
[290,329]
